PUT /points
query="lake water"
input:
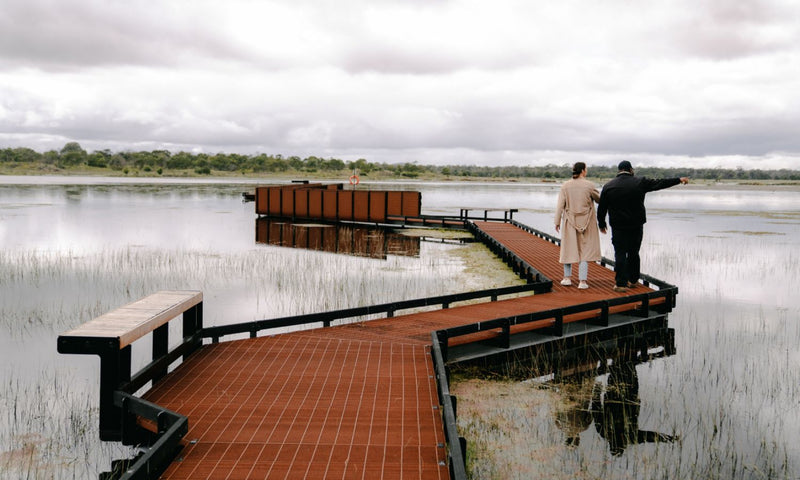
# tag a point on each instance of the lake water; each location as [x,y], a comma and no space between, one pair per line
[74,248]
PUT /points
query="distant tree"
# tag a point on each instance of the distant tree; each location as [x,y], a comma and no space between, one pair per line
[97,159]
[50,157]
[117,162]
[222,163]
[23,155]
[410,170]
[180,161]
[72,154]
[363,166]
[312,164]
[333,164]
[295,162]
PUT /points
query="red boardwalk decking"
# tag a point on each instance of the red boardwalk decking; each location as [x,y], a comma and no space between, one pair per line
[354,401]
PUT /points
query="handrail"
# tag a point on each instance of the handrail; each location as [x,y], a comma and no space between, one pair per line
[388,308]
[556,314]
[455,444]
[520,266]
[171,426]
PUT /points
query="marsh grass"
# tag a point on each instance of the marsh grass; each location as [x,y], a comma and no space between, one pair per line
[50,429]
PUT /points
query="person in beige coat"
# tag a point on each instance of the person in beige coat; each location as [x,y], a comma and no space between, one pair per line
[580,239]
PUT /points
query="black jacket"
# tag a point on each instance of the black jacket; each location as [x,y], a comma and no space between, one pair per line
[623,199]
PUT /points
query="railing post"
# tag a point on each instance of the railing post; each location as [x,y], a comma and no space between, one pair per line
[160,348]
[128,424]
[193,323]
[645,307]
[115,369]
[604,314]
[559,326]
[442,337]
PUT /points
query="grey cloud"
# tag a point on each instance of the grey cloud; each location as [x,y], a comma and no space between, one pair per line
[721,29]
[66,35]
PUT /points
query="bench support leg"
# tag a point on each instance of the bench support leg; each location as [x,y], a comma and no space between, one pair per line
[115,369]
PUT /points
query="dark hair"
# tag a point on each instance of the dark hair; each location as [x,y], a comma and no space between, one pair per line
[577,169]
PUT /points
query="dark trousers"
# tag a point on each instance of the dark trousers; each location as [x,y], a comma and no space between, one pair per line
[627,242]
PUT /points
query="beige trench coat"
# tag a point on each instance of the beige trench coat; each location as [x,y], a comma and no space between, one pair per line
[575,213]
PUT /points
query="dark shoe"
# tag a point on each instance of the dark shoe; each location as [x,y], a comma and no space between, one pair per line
[632,284]
[618,288]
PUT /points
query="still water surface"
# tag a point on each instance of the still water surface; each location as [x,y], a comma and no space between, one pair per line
[75,248]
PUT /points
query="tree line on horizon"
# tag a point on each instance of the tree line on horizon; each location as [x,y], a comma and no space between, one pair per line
[72,155]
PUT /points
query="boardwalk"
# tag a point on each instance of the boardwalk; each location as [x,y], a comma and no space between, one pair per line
[353,401]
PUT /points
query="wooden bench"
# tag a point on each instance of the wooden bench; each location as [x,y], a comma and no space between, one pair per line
[123,326]
[111,335]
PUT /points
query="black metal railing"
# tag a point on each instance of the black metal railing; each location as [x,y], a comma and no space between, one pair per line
[452,221]
[556,327]
[456,445]
[524,269]
[170,428]
[326,318]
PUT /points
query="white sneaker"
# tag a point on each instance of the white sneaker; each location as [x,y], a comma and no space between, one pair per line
[566,282]
[583,285]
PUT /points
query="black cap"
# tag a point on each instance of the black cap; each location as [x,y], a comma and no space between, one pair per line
[625,165]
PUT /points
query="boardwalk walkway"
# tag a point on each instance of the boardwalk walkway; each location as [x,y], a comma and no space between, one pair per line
[352,401]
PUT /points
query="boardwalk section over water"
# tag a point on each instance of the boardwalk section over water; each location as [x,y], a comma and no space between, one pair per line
[360,398]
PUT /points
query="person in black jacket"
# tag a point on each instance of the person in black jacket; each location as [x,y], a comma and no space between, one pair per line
[622,199]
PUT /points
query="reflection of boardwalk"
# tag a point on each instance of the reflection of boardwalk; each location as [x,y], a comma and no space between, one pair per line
[336,238]
[353,401]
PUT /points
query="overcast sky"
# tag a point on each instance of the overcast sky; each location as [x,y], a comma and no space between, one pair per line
[666,82]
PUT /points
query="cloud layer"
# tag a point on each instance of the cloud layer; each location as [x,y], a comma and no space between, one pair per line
[706,83]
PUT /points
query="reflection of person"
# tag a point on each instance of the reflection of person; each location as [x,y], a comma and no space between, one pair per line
[623,199]
[572,413]
[616,418]
[580,240]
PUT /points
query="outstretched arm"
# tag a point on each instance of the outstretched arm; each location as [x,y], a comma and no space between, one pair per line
[651,185]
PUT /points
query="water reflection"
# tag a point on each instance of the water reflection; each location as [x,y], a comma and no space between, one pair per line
[616,412]
[344,239]
[612,406]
